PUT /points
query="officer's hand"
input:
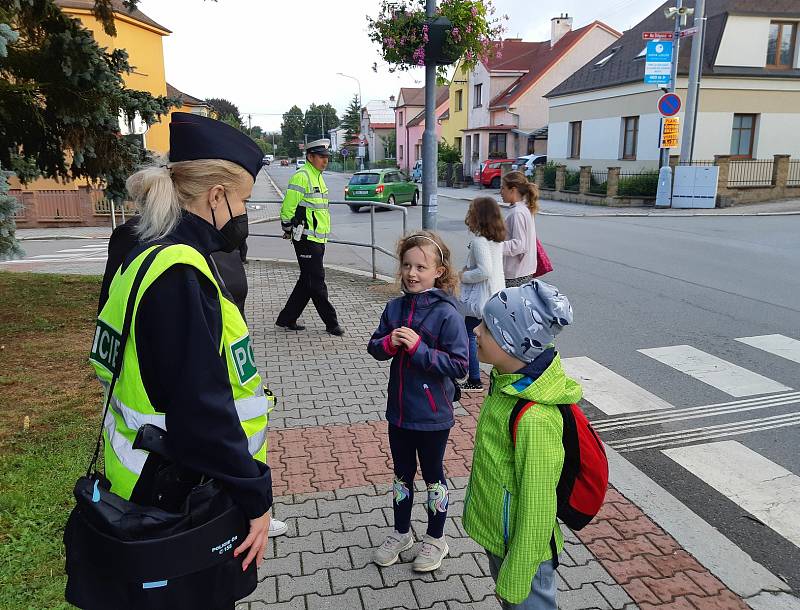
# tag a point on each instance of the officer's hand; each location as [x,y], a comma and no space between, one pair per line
[287,235]
[256,541]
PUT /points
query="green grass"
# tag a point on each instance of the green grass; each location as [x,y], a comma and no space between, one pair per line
[46,383]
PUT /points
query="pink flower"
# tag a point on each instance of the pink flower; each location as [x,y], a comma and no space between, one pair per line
[474,11]
[389,43]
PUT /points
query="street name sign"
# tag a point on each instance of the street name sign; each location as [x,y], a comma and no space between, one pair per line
[658,66]
[670,132]
[657,35]
[669,104]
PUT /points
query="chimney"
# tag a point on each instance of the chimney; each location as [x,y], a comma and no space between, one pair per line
[558,27]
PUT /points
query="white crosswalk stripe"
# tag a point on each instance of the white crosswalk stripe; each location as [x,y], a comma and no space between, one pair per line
[716,372]
[780,345]
[758,485]
[610,392]
[95,252]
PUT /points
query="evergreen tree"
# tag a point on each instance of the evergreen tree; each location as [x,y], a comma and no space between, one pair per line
[352,118]
[319,120]
[9,246]
[226,111]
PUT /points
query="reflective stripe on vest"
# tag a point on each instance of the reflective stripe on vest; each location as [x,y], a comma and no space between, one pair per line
[315,234]
[130,406]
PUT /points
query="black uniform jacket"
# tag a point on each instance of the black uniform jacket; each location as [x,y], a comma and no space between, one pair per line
[178,332]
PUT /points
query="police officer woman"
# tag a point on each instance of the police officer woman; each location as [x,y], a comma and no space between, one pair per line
[188,366]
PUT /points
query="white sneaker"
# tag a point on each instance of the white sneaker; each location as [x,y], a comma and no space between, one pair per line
[431,553]
[389,552]
[277,528]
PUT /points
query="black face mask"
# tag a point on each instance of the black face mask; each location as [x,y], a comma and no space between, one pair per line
[235,231]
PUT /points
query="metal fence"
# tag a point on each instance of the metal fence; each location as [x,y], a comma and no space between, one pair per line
[598,183]
[750,172]
[372,245]
[695,162]
[638,184]
[794,173]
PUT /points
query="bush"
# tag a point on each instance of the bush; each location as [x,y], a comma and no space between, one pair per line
[549,181]
[644,184]
[572,180]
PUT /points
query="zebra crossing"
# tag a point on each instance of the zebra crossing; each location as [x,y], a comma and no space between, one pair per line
[709,441]
[94,252]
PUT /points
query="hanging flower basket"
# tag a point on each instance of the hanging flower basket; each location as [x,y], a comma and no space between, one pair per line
[462,30]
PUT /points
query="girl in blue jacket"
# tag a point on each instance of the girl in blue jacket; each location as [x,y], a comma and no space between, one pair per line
[423,334]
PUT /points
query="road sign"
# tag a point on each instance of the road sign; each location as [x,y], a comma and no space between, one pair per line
[689,32]
[345,152]
[657,35]
[669,104]
[670,130]
[658,66]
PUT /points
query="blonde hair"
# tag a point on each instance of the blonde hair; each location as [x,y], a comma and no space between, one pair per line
[162,191]
[448,281]
[529,190]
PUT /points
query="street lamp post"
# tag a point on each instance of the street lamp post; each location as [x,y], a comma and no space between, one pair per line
[360,105]
[429,144]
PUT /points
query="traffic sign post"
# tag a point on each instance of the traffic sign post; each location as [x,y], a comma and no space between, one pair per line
[658,64]
[670,130]
[669,104]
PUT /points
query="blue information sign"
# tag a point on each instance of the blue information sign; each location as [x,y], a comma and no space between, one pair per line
[345,152]
[658,63]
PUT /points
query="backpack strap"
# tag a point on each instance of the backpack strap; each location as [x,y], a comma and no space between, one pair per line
[517,412]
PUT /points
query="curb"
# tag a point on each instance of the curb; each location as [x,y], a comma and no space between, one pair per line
[52,237]
[645,214]
[736,569]
[275,186]
[358,272]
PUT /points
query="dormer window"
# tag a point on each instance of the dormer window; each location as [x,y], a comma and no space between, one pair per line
[782,42]
[606,58]
[642,54]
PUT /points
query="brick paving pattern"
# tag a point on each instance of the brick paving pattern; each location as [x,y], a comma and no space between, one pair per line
[328,450]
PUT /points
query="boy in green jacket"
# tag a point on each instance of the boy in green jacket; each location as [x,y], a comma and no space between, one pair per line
[510,505]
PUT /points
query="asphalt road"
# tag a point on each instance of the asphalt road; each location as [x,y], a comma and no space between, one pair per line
[643,283]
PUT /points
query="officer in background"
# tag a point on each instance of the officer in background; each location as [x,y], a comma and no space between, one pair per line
[190,368]
[305,219]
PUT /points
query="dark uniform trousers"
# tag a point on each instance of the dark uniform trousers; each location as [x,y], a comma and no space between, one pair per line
[310,286]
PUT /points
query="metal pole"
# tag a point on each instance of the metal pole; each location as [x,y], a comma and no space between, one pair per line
[676,48]
[122,211]
[693,96]
[429,144]
[113,215]
[372,240]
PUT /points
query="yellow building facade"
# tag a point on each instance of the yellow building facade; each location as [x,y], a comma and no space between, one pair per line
[458,106]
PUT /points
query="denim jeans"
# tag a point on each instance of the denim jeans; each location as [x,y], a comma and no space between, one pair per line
[543,587]
[474,366]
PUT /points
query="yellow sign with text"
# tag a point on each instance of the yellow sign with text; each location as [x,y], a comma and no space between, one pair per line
[670,132]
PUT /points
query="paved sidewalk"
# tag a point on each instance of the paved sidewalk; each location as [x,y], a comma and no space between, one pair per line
[331,475]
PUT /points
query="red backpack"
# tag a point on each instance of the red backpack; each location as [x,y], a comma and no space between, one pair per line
[584,477]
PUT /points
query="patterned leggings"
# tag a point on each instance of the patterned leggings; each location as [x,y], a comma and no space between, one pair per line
[406,445]
[519,281]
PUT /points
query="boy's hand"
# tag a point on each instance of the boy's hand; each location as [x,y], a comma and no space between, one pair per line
[407,337]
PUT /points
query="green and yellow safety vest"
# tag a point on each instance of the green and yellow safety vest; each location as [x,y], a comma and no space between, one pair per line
[306,200]
[130,407]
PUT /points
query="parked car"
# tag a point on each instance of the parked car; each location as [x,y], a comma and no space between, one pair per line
[382,185]
[299,163]
[284,162]
[267,159]
[527,163]
[489,173]
[416,172]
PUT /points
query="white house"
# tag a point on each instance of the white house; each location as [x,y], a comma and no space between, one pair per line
[604,115]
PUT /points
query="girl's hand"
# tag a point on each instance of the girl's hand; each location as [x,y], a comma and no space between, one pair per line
[407,337]
[394,338]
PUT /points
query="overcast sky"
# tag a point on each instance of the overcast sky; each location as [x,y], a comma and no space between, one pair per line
[265,55]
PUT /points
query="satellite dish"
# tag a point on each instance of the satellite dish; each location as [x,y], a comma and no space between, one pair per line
[135,127]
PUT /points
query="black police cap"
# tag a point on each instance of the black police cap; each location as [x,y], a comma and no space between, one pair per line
[193,137]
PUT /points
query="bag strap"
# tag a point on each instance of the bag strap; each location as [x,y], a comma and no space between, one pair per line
[126,328]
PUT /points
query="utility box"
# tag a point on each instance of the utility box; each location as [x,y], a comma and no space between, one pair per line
[695,186]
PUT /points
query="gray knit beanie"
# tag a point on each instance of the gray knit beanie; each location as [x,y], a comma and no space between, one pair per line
[526,319]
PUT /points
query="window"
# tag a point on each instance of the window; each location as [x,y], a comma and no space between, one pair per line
[630,134]
[457,144]
[417,151]
[780,49]
[743,136]
[400,118]
[497,146]
[459,100]
[605,59]
[478,93]
[575,140]
[401,152]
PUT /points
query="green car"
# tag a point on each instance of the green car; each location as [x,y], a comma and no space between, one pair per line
[383,185]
